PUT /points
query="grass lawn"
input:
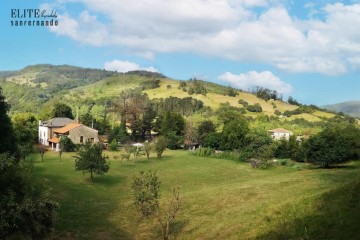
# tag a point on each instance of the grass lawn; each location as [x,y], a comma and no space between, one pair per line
[221,199]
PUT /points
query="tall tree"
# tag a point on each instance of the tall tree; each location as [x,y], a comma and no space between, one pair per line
[204,128]
[62,110]
[90,159]
[233,134]
[25,206]
[172,126]
[7,137]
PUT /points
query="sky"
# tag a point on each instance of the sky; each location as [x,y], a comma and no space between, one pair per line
[309,50]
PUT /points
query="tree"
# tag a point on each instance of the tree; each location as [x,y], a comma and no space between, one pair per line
[146,195]
[148,147]
[7,137]
[191,135]
[41,150]
[113,145]
[213,140]
[160,144]
[25,206]
[204,128]
[62,110]
[172,125]
[66,144]
[234,133]
[336,144]
[90,159]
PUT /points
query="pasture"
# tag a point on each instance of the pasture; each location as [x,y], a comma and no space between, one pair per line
[221,199]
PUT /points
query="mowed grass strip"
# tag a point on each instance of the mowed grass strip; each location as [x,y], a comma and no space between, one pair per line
[221,199]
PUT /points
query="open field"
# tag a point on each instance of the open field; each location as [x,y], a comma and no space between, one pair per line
[221,199]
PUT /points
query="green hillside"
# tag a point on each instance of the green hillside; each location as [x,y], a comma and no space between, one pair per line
[37,87]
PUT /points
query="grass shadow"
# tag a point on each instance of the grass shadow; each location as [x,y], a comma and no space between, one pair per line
[177,227]
[108,180]
[334,215]
[83,205]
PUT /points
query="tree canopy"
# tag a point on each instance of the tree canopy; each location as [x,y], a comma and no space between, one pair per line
[90,159]
[337,143]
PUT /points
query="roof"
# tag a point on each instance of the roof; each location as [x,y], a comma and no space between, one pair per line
[279,130]
[54,140]
[67,128]
[58,122]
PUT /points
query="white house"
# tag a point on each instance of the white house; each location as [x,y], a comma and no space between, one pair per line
[279,133]
[46,128]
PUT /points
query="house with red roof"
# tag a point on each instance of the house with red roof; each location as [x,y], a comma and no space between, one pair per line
[76,132]
[46,128]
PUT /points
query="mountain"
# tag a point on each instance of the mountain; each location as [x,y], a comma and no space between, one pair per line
[36,88]
[351,108]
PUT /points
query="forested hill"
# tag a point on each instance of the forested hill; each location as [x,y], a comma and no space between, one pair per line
[351,108]
[37,88]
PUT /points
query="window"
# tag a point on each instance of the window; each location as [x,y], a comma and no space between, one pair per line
[81,139]
[92,140]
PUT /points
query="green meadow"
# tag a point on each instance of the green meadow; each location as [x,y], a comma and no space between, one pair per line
[221,199]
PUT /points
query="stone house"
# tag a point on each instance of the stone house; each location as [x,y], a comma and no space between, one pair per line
[279,133]
[78,133]
[46,128]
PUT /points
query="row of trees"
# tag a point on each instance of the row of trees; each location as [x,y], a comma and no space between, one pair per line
[26,206]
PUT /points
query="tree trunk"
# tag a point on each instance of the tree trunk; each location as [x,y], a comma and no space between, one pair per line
[91,175]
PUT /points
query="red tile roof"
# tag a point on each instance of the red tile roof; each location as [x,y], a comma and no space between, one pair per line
[54,140]
[67,128]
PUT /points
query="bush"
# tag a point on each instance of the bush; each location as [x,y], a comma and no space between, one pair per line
[113,145]
[254,108]
[66,144]
[243,102]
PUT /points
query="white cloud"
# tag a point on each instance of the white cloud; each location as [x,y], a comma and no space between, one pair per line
[231,29]
[126,66]
[252,79]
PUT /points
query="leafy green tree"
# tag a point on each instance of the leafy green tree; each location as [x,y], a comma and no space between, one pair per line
[87,119]
[336,144]
[113,145]
[160,144]
[171,122]
[25,206]
[233,134]
[62,110]
[66,144]
[172,126]
[7,137]
[90,159]
[213,140]
[146,195]
[119,133]
[204,128]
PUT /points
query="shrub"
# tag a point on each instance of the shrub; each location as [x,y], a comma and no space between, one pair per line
[66,144]
[254,108]
[113,145]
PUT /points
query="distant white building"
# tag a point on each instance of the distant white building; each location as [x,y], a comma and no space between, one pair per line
[46,128]
[279,133]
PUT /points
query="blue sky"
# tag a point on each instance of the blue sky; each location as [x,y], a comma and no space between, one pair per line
[307,49]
